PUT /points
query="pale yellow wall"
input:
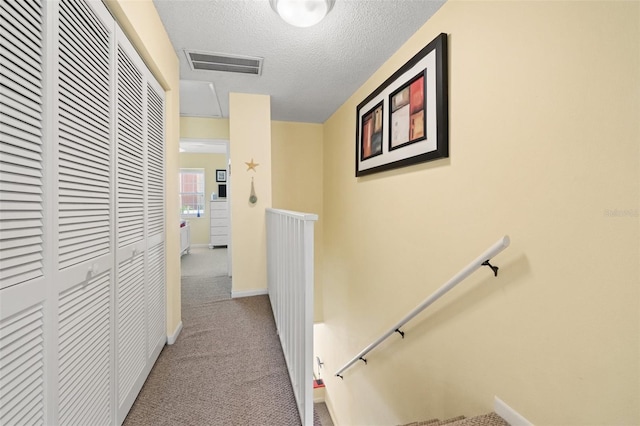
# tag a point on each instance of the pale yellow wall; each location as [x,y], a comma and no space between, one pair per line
[296,160]
[250,139]
[140,21]
[200,226]
[204,128]
[544,139]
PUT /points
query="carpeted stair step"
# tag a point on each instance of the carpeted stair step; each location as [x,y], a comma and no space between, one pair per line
[490,419]
[434,422]
[450,421]
[431,422]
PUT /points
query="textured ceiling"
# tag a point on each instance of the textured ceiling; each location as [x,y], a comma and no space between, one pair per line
[308,72]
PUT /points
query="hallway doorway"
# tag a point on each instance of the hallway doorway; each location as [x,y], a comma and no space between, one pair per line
[204,276]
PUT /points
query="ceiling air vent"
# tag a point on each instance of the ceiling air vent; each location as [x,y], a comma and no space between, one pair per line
[224,62]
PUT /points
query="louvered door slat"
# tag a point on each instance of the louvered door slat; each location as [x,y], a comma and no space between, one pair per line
[80,18]
[75,158]
[22,367]
[69,217]
[83,121]
[155,297]
[82,254]
[84,354]
[130,324]
[14,173]
[74,118]
[71,65]
[12,78]
[13,90]
[12,99]
[12,53]
[155,163]
[130,152]
[23,148]
[29,13]
[87,103]
[17,115]
[21,141]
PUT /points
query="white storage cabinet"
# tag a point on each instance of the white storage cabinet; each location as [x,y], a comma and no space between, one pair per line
[219,234]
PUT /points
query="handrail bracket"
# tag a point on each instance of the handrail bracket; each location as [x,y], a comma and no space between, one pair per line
[493,268]
[397,330]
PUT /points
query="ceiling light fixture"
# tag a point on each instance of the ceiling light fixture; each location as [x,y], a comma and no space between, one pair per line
[302,13]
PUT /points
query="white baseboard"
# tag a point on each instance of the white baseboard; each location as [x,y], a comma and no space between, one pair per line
[248,293]
[509,414]
[171,339]
[199,245]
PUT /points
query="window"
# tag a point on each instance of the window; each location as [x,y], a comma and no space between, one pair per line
[191,192]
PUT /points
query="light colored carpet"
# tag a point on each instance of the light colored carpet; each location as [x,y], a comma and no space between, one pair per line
[204,277]
[203,261]
[203,290]
[226,368]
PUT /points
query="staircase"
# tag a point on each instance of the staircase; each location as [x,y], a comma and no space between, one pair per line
[491,419]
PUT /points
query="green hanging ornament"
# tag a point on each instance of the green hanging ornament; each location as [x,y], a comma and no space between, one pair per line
[253,198]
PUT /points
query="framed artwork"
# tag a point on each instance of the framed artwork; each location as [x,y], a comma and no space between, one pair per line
[371,135]
[221,175]
[405,121]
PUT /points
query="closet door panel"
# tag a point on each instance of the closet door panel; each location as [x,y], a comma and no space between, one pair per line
[155,163]
[131,330]
[22,384]
[85,353]
[156,325]
[21,143]
[130,151]
[131,333]
[22,228]
[155,222]
[84,137]
[84,218]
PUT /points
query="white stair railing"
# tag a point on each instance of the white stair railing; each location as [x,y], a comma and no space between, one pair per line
[482,260]
[290,286]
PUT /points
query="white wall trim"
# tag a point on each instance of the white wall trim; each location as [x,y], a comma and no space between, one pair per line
[248,293]
[171,339]
[199,245]
[509,414]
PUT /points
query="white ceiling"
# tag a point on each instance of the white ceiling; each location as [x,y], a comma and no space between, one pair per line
[308,72]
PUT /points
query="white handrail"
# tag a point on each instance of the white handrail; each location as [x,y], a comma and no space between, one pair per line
[482,260]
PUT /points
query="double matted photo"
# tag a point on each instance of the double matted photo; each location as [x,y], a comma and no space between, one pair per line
[405,121]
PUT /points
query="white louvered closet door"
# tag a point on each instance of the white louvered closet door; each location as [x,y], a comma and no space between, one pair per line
[82,282]
[22,223]
[155,220]
[84,275]
[137,262]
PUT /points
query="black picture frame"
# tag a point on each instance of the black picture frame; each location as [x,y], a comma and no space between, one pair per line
[415,113]
[221,175]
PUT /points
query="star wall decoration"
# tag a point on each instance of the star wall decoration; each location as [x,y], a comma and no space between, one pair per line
[251,165]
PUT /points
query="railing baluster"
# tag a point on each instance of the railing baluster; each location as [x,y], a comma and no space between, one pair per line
[290,286]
